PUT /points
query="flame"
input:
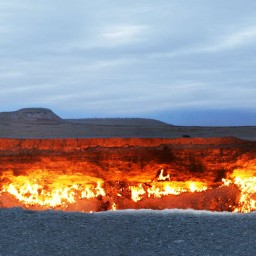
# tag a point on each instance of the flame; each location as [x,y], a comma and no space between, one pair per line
[137,192]
[161,189]
[59,189]
[163,177]
[50,189]
[113,208]
[89,192]
[247,187]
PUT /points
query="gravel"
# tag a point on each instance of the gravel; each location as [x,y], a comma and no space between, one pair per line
[143,232]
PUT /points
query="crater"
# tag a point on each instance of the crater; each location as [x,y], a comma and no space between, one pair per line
[216,174]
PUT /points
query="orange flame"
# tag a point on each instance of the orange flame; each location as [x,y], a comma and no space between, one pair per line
[51,189]
[160,189]
[246,183]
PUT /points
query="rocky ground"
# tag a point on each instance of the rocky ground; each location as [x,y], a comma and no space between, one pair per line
[173,232]
[43,123]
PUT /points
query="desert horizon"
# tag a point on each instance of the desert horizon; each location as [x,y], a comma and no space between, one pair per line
[43,123]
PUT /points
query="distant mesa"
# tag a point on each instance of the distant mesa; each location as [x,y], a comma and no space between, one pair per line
[47,116]
[30,115]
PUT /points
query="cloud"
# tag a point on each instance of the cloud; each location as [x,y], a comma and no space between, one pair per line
[107,58]
[241,38]
[123,33]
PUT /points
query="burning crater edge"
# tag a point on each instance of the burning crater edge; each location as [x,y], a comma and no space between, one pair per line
[99,174]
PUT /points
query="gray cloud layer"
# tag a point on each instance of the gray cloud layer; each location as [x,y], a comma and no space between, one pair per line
[158,59]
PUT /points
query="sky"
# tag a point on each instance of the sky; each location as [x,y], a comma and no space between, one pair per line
[185,62]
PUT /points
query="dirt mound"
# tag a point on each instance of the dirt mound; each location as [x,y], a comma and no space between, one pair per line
[28,115]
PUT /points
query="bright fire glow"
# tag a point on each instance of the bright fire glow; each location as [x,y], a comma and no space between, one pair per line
[51,189]
[163,177]
[137,192]
[55,189]
[113,208]
[160,189]
[247,187]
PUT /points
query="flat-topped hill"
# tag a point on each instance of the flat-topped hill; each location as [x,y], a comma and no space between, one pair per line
[27,115]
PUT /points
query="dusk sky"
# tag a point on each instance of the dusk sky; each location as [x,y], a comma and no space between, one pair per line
[185,62]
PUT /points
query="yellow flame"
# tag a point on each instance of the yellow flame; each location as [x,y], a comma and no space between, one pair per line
[161,176]
[89,192]
[51,189]
[247,187]
[160,189]
[137,192]
[113,208]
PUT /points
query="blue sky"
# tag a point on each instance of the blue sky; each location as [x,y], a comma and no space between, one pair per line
[187,62]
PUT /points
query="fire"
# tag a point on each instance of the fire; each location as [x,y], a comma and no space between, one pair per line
[247,186]
[47,189]
[163,177]
[160,189]
[137,192]
[50,189]
[113,208]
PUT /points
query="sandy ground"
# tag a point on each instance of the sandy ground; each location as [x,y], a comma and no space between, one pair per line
[172,232]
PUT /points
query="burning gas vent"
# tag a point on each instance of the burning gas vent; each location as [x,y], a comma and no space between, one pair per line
[109,174]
